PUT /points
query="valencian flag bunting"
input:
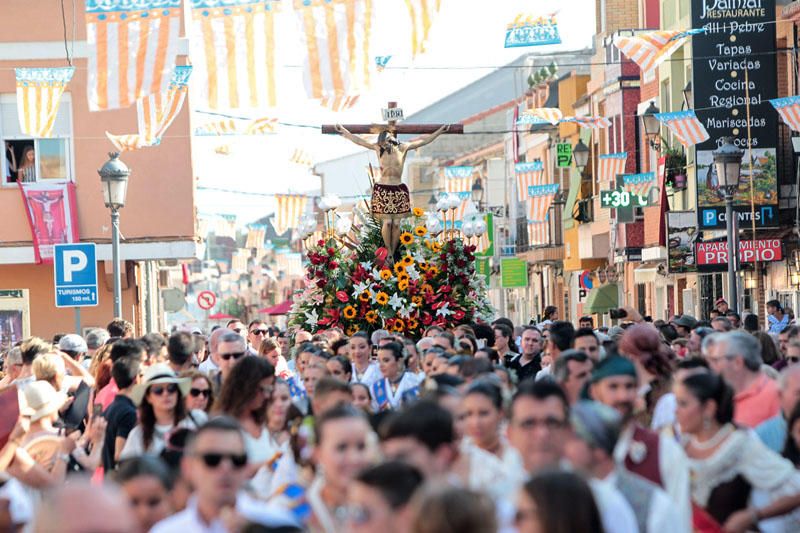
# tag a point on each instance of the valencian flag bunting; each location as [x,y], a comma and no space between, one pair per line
[381,62]
[640,184]
[336,37]
[422,13]
[538,234]
[593,123]
[52,215]
[155,114]
[650,49]
[39,93]
[235,126]
[528,174]
[685,126]
[458,180]
[132,49]
[233,50]
[288,209]
[541,115]
[530,31]
[611,165]
[789,110]
[302,158]
[541,196]
[339,102]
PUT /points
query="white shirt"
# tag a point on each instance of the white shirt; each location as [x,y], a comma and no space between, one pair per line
[674,468]
[543,373]
[134,444]
[371,375]
[251,509]
[615,511]
[659,516]
[20,505]
[208,366]
[407,382]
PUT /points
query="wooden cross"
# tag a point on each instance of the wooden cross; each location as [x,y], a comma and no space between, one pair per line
[393,127]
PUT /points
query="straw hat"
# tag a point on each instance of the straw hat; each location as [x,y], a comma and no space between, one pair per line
[156,374]
[42,400]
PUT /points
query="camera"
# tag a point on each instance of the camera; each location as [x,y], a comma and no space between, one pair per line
[616,314]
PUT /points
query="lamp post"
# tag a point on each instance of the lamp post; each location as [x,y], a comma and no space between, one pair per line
[652,126]
[728,163]
[477,193]
[114,178]
[580,154]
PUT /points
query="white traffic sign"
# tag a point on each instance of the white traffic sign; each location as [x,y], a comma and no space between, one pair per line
[75,270]
[206,300]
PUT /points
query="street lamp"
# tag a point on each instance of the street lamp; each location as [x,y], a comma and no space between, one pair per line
[728,163]
[477,192]
[114,178]
[580,153]
[432,202]
[652,126]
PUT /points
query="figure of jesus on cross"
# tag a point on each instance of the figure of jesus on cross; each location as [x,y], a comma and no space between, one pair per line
[391,201]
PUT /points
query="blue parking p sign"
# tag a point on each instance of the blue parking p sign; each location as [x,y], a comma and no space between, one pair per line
[76,274]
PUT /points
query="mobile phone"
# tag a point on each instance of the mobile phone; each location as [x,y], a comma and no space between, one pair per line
[97,410]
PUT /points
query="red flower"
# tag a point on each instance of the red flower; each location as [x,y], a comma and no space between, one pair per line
[381,254]
[331,251]
[321,243]
[342,296]
[460,263]
[427,319]
[333,264]
[459,315]
[321,283]
[445,289]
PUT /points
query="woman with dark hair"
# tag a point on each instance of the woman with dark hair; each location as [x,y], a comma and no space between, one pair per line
[245,395]
[362,397]
[397,386]
[769,349]
[488,353]
[550,313]
[543,501]
[483,417]
[364,370]
[340,346]
[146,482]
[160,398]
[726,463]
[26,170]
[201,393]
[792,449]
[447,509]
[340,368]
[642,344]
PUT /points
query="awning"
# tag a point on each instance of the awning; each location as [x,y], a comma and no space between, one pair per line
[646,273]
[602,299]
[280,309]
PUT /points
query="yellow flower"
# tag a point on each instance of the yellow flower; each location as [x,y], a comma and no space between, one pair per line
[364,296]
[407,260]
[349,312]
[423,265]
[382,298]
[371,317]
[399,268]
[436,246]
[416,300]
[403,277]
[352,330]
[406,238]
[386,274]
[413,324]
[418,212]
[420,231]
[433,270]
[426,289]
[402,284]
[398,325]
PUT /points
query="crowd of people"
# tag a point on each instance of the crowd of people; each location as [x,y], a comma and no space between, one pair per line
[552,427]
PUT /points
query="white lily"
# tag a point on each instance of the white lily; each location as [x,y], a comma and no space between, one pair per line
[405,311]
[396,302]
[419,257]
[444,310]
[312,318]
[358,288]
[366,265]
[413,275]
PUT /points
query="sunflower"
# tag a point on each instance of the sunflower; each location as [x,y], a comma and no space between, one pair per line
[352,330]
[433,270]
[371,317]
[413,324]
[416,300]
[406,238]
[418,212]
[403,277]
[398,325]
[382,298]
[426,289]
[402,284]
[349,312]
[420,231]
[386,274]
[436,246]
[364,296]
[407,261]
[399,268]
[423,265]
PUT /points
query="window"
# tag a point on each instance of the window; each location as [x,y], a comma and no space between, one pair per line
[27,159]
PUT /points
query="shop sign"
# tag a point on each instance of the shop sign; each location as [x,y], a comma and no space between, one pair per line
[761,250]
[513,273]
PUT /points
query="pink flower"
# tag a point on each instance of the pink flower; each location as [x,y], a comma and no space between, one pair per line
[342,296]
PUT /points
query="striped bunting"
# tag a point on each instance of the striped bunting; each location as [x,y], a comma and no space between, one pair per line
[685,126]
[789,110]
[528,174]
[422,13]
[589,122]
[233,126]
[301,157]
[611,165]
[39,93]
[338,103]
[538,234]
[233,50]
[639,184]
[541,196]
[132,49]
[288,209]
[650,49]
[541,115]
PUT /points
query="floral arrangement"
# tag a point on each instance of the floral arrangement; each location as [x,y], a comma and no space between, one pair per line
[360,289]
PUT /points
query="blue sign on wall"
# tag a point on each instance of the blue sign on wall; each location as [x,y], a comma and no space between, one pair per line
[75,274]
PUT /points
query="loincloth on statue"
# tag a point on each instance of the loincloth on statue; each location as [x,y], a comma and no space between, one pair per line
[390,201]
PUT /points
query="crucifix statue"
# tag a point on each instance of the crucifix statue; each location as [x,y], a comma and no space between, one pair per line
[391,201]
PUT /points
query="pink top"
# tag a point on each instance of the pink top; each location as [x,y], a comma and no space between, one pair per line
[107,394]
[757,403]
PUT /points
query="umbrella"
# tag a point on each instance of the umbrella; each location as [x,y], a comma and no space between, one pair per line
[219,316]
[280,309]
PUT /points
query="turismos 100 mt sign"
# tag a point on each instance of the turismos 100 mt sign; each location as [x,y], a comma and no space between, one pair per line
[739,38]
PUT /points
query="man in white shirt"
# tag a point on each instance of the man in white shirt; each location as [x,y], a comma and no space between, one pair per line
[595,430]
[214,464]
[559,340]
[211,364]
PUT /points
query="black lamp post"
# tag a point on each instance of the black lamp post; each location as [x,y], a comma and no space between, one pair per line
[652,126]
[728,164]
[580,154]
[114,177]
[477,192]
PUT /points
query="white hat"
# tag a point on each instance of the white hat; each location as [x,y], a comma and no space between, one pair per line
[73,343]
[159,373]
[42,400]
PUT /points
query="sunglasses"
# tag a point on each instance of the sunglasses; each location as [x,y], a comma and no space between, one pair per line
[159,390]
[235,355]
[259,331]
[200,392]
[213,460]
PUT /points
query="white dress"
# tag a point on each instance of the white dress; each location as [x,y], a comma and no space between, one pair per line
[368,377]
[134,444]
[385,398]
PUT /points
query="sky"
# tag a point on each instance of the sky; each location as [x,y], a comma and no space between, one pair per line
[465,44]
